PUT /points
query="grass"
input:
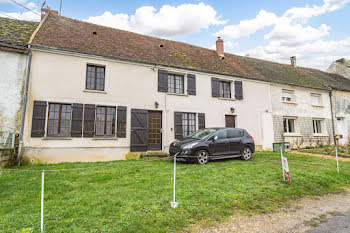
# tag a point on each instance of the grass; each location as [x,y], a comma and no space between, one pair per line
[343,151]
[135,195]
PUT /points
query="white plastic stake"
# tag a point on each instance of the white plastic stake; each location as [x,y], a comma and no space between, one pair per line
[42,201]
[284,178]
[336,155]
[174,204]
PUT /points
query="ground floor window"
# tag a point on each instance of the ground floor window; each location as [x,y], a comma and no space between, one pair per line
[289,125]
[188,123]
[105,121]
[59,120]
[317,125]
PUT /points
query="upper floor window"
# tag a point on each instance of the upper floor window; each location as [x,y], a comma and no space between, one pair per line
[188,123]
[225,89]
[95,78]
[105,121]
[316,99]
[317,126]
[289,125]
[59,120]
[287,96]
[176,83]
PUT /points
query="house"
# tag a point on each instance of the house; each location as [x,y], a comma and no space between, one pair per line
[341,67]
[97,93]
[14,37]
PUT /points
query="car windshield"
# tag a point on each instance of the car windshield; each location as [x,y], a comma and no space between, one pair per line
[199,134]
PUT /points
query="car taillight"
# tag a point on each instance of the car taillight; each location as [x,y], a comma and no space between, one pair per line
[252,138]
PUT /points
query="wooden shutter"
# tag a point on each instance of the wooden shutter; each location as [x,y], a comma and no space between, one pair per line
[178,125]
[89,120]
[139,137]
[121,122]
[39,118]
[238,90]
[201,120]
[77,120]
[162,80]
[191,84]
[215,87]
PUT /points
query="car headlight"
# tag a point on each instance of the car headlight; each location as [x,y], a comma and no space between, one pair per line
[189,146]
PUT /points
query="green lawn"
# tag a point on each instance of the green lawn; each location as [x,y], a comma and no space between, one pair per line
[134,196]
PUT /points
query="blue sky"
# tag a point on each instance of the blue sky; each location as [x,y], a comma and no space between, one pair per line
[315,31]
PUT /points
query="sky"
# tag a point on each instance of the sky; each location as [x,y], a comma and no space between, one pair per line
[317,32]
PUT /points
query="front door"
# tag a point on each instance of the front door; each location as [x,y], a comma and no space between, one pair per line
[154,130]
[230,121]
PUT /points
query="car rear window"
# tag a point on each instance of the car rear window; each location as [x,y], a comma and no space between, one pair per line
[234,133]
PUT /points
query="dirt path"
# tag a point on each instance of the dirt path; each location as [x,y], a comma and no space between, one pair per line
[321,156]
[302,215]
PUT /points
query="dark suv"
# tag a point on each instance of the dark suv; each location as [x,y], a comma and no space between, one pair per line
[213,143]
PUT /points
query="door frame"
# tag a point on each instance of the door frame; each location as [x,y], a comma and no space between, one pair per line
[161,129]
[235,118]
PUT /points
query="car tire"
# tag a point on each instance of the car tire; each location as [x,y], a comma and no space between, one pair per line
[246,153]
[202,157]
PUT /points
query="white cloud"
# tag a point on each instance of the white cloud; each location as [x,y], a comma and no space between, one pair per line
[27,15]
[247,27]
[8,1]
[228,45]
[168,21]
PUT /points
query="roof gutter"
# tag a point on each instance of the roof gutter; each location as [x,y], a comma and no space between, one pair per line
[12,46]
[25,100]
[167,65]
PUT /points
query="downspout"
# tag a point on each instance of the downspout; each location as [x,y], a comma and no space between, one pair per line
[332,114]
[24,105]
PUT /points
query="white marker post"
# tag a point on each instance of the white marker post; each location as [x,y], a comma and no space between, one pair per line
[284,178]
[336,155]
[42,201]
[174,204]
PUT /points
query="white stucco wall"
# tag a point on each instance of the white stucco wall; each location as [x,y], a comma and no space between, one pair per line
[342,113]
[61,78]
[12,76]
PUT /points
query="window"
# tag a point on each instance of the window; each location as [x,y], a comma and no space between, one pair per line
[188,123]
[225,89]
[287,96]
[235,133]
[317,125]
[105,121]
[289,125]
[222,134]
[95,78]
[316,99]
[175,83]
[59,120]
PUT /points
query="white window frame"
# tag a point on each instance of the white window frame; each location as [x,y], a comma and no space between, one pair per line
[291,92]
[295,125]
[319,96]
[321,126]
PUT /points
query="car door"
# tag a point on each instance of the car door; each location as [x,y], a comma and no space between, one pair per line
[235,140]
[219,145]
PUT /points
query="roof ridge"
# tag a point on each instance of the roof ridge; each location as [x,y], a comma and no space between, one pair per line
[20,20]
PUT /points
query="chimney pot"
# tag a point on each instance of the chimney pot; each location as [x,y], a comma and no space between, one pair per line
[293,61]
[220,47]
[45,11]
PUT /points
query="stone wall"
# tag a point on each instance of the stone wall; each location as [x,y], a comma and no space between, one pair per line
[6,156]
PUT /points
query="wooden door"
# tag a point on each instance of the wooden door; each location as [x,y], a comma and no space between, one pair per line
[138,130]
[154,130]
[230,121]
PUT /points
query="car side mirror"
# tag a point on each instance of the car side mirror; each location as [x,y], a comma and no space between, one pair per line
[215,138]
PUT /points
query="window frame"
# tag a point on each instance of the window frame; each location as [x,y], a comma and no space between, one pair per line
[59,120]
[314,126]
[319,96]
[95,77]
[287,125]
[292,98]
[175,82]
[113,134]
[224,88]
[188,125]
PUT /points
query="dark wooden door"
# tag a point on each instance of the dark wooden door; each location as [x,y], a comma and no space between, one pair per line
[230,121]
[154,130]
[139,136]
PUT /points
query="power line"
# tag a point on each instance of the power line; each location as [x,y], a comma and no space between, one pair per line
[9,16]
[25,7]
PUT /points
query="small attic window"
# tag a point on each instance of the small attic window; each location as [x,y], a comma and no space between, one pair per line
[95,33]
[161,46]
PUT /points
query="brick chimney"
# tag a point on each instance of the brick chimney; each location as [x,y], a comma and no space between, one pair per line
[293,61]
[45,11]
[220,47]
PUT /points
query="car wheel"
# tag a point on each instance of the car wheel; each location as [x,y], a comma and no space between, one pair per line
[202,157]
[246,153]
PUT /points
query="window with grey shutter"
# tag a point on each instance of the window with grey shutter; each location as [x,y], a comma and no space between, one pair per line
[139,137]
[238,90]
[215,87]
[89,120]
[121,122]
[201,120]
[77,120]
[178,125]
[191,84]
[162,80]
[38,119]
